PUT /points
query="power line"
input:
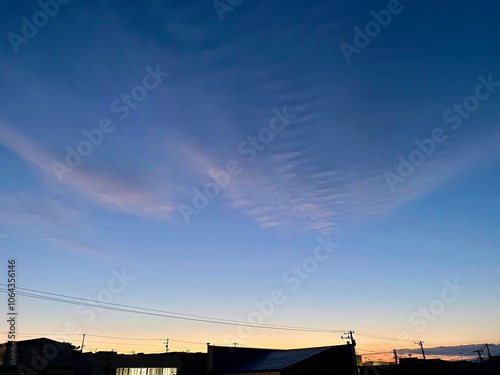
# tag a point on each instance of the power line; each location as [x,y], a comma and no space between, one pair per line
[117,304]
[44,334]
[61,298]
[114,342]
[92,341]
[122,338]
[381,337]
[190,342]
[38,334]
[370,352]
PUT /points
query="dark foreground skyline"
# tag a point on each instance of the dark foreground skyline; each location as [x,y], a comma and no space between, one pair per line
[329,166]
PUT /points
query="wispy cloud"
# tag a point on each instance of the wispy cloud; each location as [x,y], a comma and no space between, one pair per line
[46,218]
[288,191]
[54,211]
[275,192]
[370,195]
[97,186]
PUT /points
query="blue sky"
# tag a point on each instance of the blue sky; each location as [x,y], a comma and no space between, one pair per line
[333,130]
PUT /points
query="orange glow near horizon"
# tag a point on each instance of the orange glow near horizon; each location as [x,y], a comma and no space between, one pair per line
[369,349]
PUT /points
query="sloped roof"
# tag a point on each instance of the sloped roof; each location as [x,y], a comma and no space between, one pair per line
[41,340]
[278,359]
[235,360]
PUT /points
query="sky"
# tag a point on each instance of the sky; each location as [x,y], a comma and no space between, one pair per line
[306,168]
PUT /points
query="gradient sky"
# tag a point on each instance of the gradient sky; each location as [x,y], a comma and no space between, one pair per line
[323,176]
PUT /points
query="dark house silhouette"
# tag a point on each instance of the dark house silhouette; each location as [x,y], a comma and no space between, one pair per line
[45,356]
[325,360]
[38,355]
[417,366]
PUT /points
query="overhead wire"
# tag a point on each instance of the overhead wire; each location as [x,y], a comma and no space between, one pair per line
[67,299]
[61,298]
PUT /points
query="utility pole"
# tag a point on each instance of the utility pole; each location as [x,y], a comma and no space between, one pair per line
[479,354]
[83,343]
[348,335]
[488,350]
[421,343]
[166,346]
[395,356]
